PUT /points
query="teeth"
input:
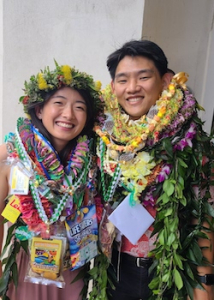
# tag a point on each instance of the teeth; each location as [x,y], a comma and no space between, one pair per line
[134,99]
[65,125]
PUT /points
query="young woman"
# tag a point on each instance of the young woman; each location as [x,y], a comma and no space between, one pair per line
[45,170]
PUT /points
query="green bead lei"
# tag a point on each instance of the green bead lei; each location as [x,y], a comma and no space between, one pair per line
[108,194]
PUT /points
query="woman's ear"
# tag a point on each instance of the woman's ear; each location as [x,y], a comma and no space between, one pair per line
[38,111]
[166,80]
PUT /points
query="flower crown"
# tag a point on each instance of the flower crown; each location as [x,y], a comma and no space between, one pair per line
[47,81]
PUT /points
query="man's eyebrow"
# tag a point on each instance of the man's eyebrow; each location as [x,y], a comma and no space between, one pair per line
[125,74]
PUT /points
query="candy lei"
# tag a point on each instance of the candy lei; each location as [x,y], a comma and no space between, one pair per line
[23,155]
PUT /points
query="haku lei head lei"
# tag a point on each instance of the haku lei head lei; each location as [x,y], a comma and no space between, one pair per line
[46,81]
[166,158]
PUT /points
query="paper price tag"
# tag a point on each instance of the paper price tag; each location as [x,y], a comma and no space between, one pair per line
[12,209]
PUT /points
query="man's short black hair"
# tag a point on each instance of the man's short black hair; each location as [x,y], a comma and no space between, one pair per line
[142,48]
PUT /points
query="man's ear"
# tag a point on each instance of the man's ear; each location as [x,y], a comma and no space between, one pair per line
[112,86]
[38,111]
[166,80]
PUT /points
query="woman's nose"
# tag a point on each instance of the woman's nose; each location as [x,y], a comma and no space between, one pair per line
[68,112]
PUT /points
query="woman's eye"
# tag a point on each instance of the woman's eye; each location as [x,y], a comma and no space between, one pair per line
[80,108]
[58,102]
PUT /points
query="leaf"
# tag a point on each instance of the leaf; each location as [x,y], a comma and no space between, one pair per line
[171,239]
[178,261]
[154,283]
[93,271]
[11,260]
[209,209]
[167,145]
[24,245]
[168,187]
[164,197]
[14,273]
[4,282]
[178,279]
[188,270]
[165,277]
[168,212]
[182,163]
[161,237]
[183,201]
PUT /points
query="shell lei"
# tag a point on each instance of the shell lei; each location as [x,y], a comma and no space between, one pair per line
[172,135]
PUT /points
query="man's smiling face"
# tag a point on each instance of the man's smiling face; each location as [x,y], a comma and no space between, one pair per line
[137,85]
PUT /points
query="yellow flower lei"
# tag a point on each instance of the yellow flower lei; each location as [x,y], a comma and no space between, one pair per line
[135,171]
[134,133]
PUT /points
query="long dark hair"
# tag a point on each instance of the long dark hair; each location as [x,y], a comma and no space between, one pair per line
[87,130]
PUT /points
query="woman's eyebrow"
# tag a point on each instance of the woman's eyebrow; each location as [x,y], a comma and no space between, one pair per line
[80,101]
[58,96]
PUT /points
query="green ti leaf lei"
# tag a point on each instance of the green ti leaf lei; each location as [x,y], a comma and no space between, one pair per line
[176,253]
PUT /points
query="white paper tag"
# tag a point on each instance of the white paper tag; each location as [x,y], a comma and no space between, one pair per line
[132,221]
[19,182]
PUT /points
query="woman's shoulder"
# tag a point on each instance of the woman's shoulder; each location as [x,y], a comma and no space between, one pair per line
[4,167]
[3,152]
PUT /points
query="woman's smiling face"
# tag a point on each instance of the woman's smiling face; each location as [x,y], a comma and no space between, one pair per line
[64,116]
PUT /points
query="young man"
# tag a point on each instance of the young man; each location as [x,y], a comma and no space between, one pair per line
[153,178]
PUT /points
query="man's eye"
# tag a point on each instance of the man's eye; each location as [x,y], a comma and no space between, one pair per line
[144,77]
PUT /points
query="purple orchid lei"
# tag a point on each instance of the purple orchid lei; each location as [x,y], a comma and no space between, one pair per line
[185,113]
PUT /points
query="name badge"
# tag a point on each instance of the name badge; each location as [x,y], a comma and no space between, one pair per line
[132,221]
[19,182]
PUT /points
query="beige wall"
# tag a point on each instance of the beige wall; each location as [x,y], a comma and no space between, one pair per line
[81,33]
[184,29]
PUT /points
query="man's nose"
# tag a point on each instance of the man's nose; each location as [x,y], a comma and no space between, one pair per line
[133,86]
